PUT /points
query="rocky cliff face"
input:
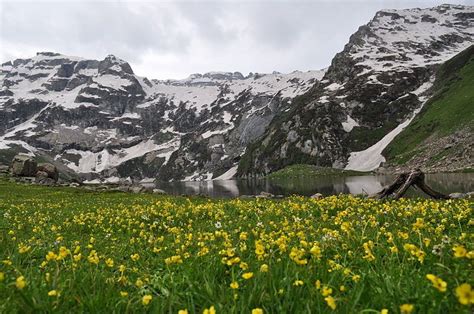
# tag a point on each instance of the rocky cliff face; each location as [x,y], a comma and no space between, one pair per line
[100,120]
[369,93]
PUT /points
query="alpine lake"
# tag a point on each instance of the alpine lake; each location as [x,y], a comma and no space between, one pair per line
[327,185]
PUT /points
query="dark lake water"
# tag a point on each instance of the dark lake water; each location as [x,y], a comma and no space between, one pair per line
[446,183]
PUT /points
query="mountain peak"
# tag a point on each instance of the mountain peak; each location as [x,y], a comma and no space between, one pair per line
[113,64]
[48,54]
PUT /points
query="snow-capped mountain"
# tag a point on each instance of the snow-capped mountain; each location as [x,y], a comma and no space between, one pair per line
[99,119]
[371,91]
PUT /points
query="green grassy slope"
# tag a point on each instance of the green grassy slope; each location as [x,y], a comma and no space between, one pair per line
[309,171]
[449,110]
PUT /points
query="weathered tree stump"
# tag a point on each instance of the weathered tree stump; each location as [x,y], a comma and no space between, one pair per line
[415,178]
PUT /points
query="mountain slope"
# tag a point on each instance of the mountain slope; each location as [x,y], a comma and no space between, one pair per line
[371,88]
[442,135]
[100,120]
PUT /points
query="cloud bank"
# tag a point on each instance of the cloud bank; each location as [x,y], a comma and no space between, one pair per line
[176,38]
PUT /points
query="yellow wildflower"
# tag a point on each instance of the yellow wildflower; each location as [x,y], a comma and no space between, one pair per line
[437,282]
[123,294]
[459,251]
[234,285]
[247,275]
[259,248]
[264,268]
[146,299]
[356,278]
[331,302]
[20,282]
[326,291]
[23,248]
[93,258]
[211,310]
[63,253]
[257,311]
[318,284]
[139,283]
[406,308]
[185,311]
[77,257]
[53,293]
[465,294]
[51,256]
[109,262]
[298,283]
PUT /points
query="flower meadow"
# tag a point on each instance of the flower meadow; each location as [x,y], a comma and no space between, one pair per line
[73,250]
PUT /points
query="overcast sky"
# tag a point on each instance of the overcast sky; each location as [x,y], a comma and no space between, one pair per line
[173,39]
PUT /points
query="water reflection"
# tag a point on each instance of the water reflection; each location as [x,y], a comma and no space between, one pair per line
[446,183]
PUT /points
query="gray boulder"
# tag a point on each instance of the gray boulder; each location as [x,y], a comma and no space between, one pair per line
[49,169]
[137,189]
[43,178]
[23,166]
[457,195]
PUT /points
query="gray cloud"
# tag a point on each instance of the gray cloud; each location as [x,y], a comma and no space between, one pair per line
[175,38]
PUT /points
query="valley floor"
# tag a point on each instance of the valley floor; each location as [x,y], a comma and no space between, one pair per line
[64,249]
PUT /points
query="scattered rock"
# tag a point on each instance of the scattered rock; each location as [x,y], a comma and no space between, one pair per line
[137,189]
[23,166]
[317,196]
[158,191]
[470,195]
[44,180]
[264,194]
[123,188]
[457,195]
[246,196]
[74,185]
[3,169]
[28,180]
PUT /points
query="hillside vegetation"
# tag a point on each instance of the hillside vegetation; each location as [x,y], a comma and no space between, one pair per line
[450,110]
[310,171]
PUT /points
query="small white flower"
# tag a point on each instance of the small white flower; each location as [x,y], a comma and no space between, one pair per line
[218,225]
[437,249]
[446,239]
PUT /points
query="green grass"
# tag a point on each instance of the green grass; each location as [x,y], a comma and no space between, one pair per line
[449,110]
[185,253]
[310,171]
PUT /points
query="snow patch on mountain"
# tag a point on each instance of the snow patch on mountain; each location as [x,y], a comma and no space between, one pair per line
[371,158]
[349,124]
[229,174]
